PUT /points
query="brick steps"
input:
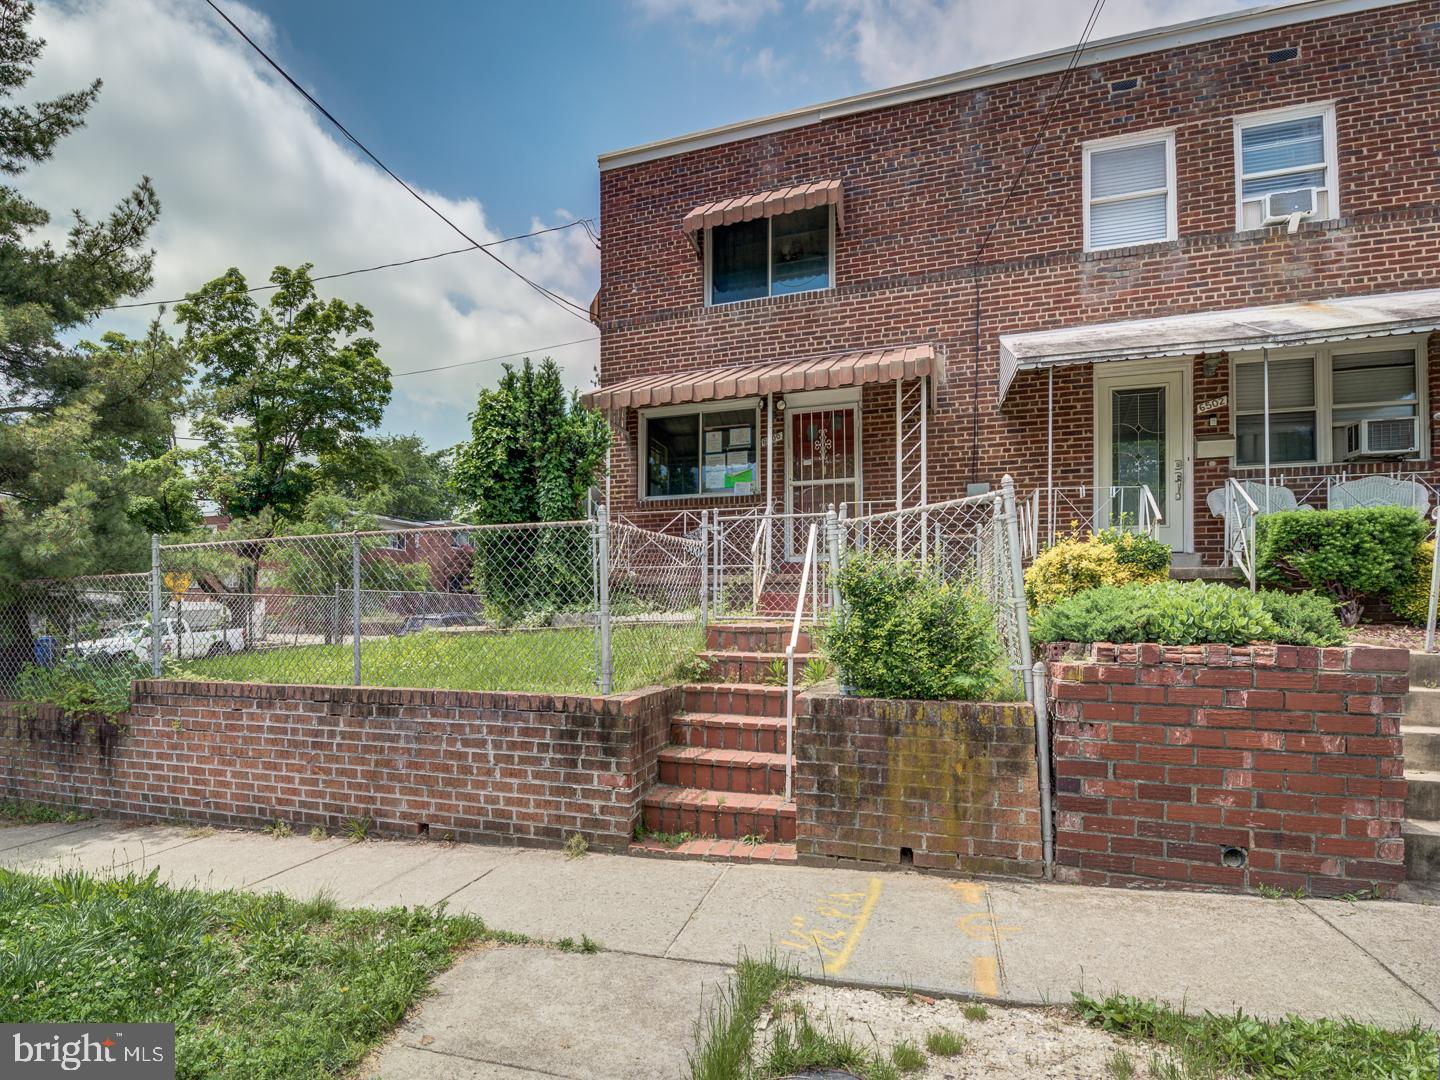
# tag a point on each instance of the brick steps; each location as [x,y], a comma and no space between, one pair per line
[1422,796]
[714,769]
[759,734]
[725,815]
[717,851]
[770,637]
[735,699]
[1422,747]
[756,668]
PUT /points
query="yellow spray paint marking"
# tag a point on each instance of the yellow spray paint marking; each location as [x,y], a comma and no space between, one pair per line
[839,920]
[970,892]
[978,926]
[987,976]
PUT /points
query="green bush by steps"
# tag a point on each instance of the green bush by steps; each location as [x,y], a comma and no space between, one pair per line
[1347,554]
[1188,613]
[905,633]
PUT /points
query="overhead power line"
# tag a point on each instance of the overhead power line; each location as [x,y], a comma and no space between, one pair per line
[382,266]
[492,359]
[555,298]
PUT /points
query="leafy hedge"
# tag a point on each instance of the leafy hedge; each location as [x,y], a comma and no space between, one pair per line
[902,632]
[1110,557]
[1188,613]
[1349,554]
[1411,599]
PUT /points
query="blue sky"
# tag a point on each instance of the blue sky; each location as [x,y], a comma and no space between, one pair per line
[496,110]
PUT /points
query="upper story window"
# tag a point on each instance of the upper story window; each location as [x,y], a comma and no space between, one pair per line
[1331,405]
[395,541]
[1130,190]
[1285,164]
[699,452]
[770,256]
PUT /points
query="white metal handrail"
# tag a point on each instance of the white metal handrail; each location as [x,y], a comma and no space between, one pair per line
[1149,511]
[1240,535]
[790,657]
[1434,585]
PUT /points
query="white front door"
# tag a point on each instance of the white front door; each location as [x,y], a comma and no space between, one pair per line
[822,467]
[1140,443]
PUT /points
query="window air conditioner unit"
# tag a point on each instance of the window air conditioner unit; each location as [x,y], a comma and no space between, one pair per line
[1392,435]
[1283,205]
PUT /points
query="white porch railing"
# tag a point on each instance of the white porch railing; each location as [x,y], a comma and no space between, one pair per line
[1049,513]
[1240,514]
[808,586]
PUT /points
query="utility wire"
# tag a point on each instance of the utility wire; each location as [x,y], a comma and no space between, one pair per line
[1000,216]
[492,359]
[382,266]
[553,297]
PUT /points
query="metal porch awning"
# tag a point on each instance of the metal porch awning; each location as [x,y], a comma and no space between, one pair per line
[829,371]
[1239,329]
[784,200]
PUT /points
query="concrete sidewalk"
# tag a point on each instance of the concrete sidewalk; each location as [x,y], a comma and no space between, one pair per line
[682,922]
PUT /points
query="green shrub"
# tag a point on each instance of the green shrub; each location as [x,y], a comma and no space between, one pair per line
[1348,554]
[1189,613]
[1111,557]
[1306,618]
[1411,599]
[904,633]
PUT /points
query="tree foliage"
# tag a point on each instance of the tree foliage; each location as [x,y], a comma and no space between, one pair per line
[533,452]
[403,480]
[289,390]
[73,420]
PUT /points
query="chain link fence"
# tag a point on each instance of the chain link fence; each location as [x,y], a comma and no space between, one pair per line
[561,607]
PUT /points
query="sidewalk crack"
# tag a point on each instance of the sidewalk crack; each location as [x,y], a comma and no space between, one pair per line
[724,869]
[1434,1004]
[995,938]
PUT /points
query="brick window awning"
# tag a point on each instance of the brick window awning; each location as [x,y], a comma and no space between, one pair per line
[1275,326]
[784,200]
[829,371]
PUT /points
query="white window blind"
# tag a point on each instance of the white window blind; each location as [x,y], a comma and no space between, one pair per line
[1374,377]
[1129,194]
[1292,385]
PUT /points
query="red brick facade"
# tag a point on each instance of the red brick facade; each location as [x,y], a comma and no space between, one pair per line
[1165,758]
[512,768]
[926,181]
[952,783]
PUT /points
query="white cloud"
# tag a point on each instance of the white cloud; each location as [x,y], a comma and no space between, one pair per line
[897,41]
[248,177]
[731,13]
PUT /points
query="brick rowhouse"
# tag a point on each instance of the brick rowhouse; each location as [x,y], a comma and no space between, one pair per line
[1213,767]
[498,767]
[926,180]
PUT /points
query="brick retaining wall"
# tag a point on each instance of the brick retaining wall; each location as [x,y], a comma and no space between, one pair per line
[521,768]
[952,782]
[1166,757]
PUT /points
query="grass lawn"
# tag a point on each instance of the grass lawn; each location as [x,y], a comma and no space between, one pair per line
[259,987]
[545,661]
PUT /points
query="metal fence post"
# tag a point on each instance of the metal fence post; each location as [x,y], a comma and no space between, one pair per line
[1042,757]
[156,635]
[1017,583]
[607,660]
[704,570]
[355,600]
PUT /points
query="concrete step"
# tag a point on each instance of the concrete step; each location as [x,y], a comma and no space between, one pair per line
[723,815]
[1421,747]
[1422,797]
[768,637]
[1422,850]
[1424,670]
[735,699]
[1422,706]
[1227,575]
[742,771]
[760,734]
[717,851]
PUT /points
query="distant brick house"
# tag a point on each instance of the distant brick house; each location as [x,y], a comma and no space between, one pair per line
[1225,241]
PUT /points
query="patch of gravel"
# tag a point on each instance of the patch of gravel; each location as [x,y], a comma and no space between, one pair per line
[1011,1043]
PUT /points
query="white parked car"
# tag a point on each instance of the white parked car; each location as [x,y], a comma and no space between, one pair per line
[178,638]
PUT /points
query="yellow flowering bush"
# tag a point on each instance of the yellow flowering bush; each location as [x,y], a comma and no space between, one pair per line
[1112,557]
[1411,598]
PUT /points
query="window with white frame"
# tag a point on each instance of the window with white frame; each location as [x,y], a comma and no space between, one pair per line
[395,541]
[1335,404]
[771,256]
[1130,191]
[1285,164]
[704,452]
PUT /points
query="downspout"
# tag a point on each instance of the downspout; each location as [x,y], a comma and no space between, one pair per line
[1050,457]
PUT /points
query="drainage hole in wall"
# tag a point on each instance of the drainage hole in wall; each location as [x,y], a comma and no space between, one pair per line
[422,828]
[1234,857]
[907,857]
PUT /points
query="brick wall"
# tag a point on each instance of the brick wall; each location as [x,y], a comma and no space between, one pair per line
[1165,757]
[925,182]
[954,782]
[517,768]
